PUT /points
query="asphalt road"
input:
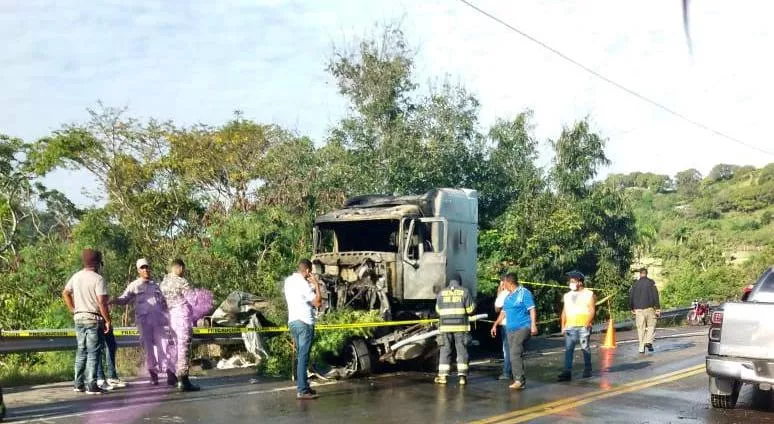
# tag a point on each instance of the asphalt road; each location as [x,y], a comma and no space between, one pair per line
[667,386]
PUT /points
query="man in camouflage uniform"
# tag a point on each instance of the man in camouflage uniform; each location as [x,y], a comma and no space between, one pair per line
[454,305]
[174,288]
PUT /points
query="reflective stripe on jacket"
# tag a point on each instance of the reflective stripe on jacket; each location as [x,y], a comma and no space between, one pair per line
[453,305]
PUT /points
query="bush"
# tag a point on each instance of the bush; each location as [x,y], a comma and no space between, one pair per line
[766,218]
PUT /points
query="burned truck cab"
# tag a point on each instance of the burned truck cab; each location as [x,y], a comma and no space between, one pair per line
[394,253]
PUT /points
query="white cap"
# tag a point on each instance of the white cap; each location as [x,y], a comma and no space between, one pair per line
[142,262]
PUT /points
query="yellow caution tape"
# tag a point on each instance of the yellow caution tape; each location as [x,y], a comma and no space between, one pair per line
[240,330]
[218,330]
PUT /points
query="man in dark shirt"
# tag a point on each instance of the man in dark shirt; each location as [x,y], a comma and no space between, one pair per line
[644,303]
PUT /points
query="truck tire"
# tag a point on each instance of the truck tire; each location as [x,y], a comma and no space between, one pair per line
[358,357]
[725,401]
[762,399]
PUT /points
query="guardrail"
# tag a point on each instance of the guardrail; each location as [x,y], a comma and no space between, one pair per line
[50,344]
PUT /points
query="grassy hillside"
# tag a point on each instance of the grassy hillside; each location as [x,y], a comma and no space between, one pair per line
[703,236]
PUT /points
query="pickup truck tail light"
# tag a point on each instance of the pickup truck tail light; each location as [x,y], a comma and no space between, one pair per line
[716,320]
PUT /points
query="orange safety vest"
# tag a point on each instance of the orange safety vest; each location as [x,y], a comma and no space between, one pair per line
[578,307]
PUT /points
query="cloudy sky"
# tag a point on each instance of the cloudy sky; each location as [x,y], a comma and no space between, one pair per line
[198,61]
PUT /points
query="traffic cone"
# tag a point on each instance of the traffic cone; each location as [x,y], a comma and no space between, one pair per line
[609,336]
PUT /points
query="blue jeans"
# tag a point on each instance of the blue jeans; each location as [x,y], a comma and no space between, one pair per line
[506,353]
[111,346]
[302,334]
[573,336]
[90,338]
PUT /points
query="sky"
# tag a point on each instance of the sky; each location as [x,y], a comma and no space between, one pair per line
[198,61]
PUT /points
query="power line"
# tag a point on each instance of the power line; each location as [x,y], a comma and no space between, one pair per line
[614,83]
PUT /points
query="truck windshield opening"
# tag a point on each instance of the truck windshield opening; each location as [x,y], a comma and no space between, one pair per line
[358,236]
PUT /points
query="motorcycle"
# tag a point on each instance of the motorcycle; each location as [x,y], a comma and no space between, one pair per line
[699,313]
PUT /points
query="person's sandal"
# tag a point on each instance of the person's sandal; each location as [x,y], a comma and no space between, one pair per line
[517,385]
[307,396]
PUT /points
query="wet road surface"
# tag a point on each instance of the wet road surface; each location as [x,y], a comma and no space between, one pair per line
[668,386]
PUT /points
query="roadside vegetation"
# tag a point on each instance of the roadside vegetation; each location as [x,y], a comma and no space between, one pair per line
[237,200]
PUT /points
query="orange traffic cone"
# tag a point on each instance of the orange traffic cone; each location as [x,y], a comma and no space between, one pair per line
[609,336]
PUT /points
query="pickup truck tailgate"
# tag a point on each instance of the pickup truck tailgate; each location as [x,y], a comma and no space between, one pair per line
[748,330]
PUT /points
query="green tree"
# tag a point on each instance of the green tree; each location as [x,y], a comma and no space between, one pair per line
[722,172]
[579,153]
[688,182]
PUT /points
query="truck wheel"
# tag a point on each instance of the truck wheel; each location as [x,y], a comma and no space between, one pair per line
[358,357]
[725,400]
[762,399]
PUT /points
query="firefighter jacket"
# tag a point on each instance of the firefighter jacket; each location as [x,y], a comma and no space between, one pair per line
[453,306]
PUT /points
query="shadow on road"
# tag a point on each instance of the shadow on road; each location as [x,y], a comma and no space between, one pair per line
[672,347]
[634,366]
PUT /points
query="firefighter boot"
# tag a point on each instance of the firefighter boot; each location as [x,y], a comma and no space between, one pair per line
[463,380]
[441,379]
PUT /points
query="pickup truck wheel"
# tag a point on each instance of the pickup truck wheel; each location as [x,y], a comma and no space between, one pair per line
[726,401]
[762,399]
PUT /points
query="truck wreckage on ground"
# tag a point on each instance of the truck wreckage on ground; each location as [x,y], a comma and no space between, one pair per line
[392,254]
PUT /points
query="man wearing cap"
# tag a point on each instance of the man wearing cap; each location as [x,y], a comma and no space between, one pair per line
[454,305]
[577,316]
[86,296]
[150,318]
[646,307]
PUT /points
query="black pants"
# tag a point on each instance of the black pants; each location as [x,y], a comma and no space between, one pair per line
[516,342]
[459,342]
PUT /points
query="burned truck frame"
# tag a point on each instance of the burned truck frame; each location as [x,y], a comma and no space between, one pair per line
[393,254]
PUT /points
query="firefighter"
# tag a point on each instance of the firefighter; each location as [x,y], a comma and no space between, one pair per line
[453,305]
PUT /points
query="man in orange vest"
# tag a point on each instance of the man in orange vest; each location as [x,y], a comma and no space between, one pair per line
[577,316]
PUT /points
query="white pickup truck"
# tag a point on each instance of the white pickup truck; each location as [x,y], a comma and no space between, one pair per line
[741,345]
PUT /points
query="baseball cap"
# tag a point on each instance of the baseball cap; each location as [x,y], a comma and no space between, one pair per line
[142,262]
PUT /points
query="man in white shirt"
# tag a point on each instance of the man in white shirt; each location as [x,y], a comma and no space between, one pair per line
[86,296]
[302,294]
[502,293]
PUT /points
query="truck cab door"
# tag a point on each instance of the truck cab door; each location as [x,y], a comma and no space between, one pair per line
[424,257]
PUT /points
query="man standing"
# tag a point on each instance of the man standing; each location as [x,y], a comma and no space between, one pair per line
[302,294]
[520,318]
[111,348]
[150,318]
[174,288]
[645,305]
[577,316]
[502,294]
[454,305]
[86,296]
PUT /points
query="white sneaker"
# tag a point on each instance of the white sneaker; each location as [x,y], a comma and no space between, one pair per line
[116,383]
[104,385]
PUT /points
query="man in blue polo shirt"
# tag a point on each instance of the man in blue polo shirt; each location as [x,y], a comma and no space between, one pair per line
[521,322]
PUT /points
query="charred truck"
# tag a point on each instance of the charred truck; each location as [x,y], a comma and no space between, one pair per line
[394,254]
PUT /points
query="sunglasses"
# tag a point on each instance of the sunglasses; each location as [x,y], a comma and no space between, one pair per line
[145,267]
